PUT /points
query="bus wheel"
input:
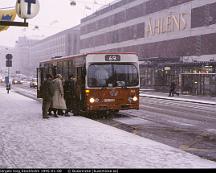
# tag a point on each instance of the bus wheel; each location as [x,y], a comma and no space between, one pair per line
[113,113]
[99,115]
[91,115]
[116,111]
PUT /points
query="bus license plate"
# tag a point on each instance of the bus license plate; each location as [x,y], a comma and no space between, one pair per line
[109,100]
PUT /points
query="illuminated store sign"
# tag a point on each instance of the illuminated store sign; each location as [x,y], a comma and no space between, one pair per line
[171,23]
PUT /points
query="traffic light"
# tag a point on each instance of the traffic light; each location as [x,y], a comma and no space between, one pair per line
[9,60]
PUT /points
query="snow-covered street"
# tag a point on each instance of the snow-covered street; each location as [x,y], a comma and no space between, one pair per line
[28,141]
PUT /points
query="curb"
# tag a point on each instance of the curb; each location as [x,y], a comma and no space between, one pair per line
[28,95]
[179,99]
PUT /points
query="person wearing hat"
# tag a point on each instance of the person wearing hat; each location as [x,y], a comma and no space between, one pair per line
[47,92]
[58,98]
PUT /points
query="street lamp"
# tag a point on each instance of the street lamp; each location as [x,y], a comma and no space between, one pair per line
[73,3]
[87,7]
[8,64]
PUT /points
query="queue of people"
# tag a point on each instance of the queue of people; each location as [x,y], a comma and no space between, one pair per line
[59,98]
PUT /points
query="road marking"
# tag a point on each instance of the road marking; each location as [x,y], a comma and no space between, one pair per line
[132,121]
[185,148]
[180,123]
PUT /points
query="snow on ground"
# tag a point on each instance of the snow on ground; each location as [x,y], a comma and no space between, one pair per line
[179,98]
[28,141]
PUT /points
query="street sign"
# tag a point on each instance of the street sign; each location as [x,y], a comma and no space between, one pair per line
[6,16]
[27,9]
[6,80]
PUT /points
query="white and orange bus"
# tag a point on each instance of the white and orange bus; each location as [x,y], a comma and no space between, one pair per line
[105,81]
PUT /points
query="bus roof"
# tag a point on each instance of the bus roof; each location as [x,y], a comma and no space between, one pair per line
[82,55]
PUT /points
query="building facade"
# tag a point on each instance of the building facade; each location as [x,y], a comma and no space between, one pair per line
[22,59]
[30,52]
[175,40]
[61,44]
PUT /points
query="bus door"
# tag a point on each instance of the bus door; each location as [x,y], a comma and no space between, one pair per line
[40,79]
[80,76]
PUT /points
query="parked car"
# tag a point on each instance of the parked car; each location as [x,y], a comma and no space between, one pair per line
[17,81]
[33,83]
[1,79]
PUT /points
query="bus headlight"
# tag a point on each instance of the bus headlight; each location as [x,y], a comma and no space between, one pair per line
[92,100]
[135,98]
[87,91]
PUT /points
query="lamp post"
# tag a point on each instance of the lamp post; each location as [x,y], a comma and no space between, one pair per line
[8,64]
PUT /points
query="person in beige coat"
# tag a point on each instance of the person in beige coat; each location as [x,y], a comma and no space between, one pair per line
[58,98]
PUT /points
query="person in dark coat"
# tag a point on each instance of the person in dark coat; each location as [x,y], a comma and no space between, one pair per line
[69,94]
[172,91]
[47,92]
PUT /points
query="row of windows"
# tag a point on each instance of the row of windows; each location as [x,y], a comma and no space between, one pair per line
[205,15]
[64,68]
[129,33]
[198,18]
[161,79]
[49,50]
[106,9]
[131,13]
[58,46]
[174,48]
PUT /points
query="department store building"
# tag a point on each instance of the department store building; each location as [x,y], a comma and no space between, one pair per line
[174,39]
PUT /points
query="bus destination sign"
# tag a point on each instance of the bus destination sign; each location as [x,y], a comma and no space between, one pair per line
[112,58]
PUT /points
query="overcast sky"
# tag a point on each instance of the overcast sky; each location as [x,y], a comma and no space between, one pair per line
[54,16]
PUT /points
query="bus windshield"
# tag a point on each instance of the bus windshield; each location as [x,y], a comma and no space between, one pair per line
[113,75]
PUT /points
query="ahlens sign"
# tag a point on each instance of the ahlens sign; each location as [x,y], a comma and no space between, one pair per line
[27,9]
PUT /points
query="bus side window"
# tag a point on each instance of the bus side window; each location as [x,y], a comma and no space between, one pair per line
[81,84]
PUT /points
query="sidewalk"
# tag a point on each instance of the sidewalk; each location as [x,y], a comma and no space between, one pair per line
[28,141]
[186,98]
